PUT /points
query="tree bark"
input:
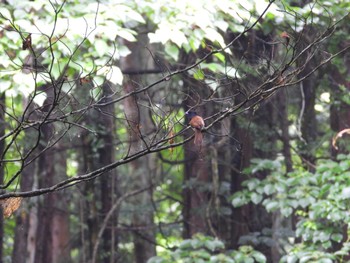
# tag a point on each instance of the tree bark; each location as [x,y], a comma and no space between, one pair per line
[2,146]
[52,235]
[137,121]
[240,217]
[106,127]
[23,250]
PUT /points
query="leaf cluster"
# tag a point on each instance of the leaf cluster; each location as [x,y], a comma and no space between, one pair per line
[318,200]
[208,249]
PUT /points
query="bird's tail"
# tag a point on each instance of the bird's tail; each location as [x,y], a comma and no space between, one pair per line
[198,137]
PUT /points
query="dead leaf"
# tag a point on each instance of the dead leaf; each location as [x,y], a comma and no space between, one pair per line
[285,35]
[171,139]
[10,205]
[339,135]
[84,80]
[27,42]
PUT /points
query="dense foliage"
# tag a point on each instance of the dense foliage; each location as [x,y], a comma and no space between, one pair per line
[94,137]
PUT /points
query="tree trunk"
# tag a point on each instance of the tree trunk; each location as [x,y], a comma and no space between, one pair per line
[106,128]
[278,221]
[195,197]
[137,120]
[307,116]
[53,230]
[23,250]
[240,216]
[2,147]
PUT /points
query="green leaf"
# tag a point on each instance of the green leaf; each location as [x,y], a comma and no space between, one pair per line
[134,15]
[127,34]
[221,258]
[172,51]
[286,211]
[187,243]
[156,260]
[325,260]
[259,257]
[269,189]
[270,205]
[344,165]
[195,243]
[215,67]
[239,200]
[256,198]
[260,189]
[214,244]
[115,75]
[220,56]
[337,237]
[305,259]
[280,187]
[198,75]
[248,260]
[5,13]
[252,184]
[345,193]
[100,47]
[214,36]
[290,259]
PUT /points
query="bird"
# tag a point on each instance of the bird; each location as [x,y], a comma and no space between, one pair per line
[197,124]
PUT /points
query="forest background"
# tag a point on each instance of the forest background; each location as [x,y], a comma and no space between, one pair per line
[97,159]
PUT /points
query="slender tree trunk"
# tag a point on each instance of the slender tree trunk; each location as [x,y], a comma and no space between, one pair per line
[2,146]
[140,177]
[60,217]
[97,150]
[88,204]
[240,217]
[284,126]
[308,122]
[107,181]
[278,221]
[307,115]
[195,197]
[197,174]
[143,215]
[53,231]
[23,250]
[225,151]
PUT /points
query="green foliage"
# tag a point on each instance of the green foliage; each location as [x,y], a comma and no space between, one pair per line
[8,240]
[202,249]
[83,34]
[319,200]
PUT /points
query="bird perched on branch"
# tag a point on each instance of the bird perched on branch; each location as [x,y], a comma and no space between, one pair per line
[197,124]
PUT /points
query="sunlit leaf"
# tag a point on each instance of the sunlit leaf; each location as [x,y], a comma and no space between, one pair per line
[115,75]
[256,198]
[199,75]
[178,37]
[135,16]
[126,34]
[5,13]
[220,56]
[100,47]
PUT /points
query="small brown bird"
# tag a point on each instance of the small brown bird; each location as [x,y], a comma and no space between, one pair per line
[197,123]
